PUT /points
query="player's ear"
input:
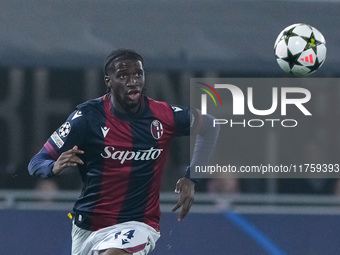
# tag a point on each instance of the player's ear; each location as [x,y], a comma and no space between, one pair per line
[107,80]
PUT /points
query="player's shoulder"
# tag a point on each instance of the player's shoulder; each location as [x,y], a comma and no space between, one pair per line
[156,104]
[93,105]
[162,106]
[96,103]
[88,111]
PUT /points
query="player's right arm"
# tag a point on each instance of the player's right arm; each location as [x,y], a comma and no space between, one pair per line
[63,149]
[67,159]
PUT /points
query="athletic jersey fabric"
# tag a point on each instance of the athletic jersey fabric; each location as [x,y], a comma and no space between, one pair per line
[123,160]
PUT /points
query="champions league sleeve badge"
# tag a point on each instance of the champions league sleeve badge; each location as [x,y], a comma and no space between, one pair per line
[64,130]
[61,133]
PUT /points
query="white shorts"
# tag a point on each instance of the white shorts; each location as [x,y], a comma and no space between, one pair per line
[134,237]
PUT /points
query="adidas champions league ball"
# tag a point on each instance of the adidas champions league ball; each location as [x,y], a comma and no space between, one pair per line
[300,49]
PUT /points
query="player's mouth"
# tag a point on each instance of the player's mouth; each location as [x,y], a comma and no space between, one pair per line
[133,94]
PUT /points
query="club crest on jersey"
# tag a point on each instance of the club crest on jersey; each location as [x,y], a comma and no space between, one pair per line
[65,129]
[156,129]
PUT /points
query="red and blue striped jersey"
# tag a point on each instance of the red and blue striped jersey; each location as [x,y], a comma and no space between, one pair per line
[123,160]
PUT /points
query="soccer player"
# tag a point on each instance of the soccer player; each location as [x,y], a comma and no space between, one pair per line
[120,142]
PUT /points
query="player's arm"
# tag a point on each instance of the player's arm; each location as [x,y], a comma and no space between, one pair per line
[67,159]
[206,137]
[62,149]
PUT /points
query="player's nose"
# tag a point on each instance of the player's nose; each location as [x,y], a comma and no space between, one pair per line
[131,81]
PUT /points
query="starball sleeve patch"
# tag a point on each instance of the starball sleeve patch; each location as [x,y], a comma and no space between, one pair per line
[65,129]
[60,134]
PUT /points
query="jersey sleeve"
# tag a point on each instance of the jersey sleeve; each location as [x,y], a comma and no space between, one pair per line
[187,120]
[72,132]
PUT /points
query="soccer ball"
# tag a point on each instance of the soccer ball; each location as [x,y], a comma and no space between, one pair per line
[300,49]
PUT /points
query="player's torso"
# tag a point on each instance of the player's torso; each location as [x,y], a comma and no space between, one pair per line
[124,159]
[117,143]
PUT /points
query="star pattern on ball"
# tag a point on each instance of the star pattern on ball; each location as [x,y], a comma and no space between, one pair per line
[291,59]
[312,43]
[287,34]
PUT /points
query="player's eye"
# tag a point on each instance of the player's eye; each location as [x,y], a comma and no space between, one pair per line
[121,76]
[139,74]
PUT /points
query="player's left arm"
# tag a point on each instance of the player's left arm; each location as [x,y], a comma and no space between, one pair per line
[206,137]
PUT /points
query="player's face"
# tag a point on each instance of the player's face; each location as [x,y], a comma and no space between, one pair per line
[126,83]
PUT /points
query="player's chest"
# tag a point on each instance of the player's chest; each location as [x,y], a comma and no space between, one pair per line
[134,133]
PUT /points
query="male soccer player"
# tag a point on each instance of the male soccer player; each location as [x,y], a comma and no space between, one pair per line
[119,143]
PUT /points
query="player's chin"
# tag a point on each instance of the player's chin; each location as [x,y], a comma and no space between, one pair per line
[133,99]
[131,104]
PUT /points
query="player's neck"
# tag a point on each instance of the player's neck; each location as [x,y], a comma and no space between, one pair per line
[119,106]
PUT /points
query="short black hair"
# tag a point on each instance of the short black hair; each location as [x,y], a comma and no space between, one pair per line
[120,54]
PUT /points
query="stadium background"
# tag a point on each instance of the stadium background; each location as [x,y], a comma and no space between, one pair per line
[51,56]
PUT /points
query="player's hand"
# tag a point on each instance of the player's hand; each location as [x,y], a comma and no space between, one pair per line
[186,188]
[67,159]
